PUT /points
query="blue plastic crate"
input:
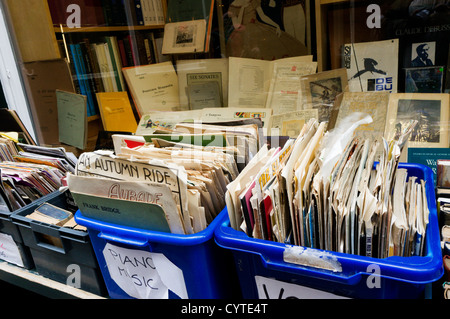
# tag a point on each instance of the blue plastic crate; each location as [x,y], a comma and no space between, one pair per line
[260,263]
[207,269]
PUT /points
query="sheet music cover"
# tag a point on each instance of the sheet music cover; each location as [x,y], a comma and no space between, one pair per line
[372,66]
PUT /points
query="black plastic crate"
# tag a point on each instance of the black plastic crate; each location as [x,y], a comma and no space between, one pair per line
[59,253]
[9,228]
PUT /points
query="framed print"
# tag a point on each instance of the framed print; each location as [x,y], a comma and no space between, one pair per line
[430,110]
[318,91]
[427,79]
[184,37]
[291,123]
[373,103]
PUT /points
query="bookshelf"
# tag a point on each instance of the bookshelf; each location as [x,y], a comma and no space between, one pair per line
[42,32]
[322,8]
[105,29]
[109,36]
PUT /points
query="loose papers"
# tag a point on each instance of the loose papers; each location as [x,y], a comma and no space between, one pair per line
[169,182]
[29,172]
[323,190]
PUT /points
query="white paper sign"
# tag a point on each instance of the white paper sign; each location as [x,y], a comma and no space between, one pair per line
[9,250]
[144,275]
[275,289]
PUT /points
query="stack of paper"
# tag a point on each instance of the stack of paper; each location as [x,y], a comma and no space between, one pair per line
[321,190]
[8,146]
[169,182]
[29,172]
[163,121]
[52,156]
[23,183]
[290,87]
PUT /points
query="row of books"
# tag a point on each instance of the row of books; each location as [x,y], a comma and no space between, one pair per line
[108,12]
[97,67]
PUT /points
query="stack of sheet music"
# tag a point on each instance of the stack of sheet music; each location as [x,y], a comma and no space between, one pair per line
[23,183]
[322,190]
[29,172]
[173,183]
[7,148]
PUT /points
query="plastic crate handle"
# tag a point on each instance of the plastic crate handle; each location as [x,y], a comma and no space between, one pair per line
[312,263]
[314,273]
[48,237]
[275,256]
[126,241]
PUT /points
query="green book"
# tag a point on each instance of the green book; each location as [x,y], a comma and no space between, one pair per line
[72,118]
[116,64]
[190,10]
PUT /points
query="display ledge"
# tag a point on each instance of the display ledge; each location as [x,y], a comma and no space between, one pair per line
[60,29]
[29,280]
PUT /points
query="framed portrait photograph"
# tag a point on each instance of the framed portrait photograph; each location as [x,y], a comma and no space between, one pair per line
[423,54]
[318,91]
[430,110]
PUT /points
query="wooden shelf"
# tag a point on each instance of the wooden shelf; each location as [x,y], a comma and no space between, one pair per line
[106,29]
[30,280]
[93,118]
[332,1]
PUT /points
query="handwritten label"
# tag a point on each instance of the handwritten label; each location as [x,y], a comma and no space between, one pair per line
[275,289]
[93,164]
[9,250]
[144,275]
[117,167]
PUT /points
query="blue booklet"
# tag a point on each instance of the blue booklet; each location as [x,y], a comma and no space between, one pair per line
[428,157]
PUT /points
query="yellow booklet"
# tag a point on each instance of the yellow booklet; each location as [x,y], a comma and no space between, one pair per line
[116,112]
